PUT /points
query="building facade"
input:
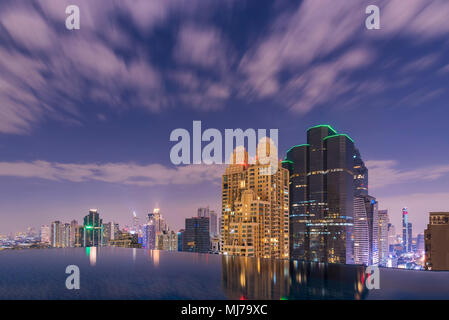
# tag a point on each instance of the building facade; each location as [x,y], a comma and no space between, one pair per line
[196,235]
[383,223]
[436,238]
[255,209]
[322,197]
[93,229]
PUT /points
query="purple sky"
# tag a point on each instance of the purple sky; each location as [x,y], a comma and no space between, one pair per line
[86,115]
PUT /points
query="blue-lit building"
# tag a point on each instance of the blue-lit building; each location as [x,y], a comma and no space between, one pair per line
[196,236]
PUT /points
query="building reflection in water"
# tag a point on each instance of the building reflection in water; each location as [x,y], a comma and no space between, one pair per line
[252,278]
[92,253]
[153,256]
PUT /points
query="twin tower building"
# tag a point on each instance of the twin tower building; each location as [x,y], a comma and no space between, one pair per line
[316,206]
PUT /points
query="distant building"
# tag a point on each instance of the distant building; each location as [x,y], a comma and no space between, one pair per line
[168,241]
[406,232]
[157,220]
[93,229]
[391,237]
[107,233]
[55,234]
[383,222]
[420,245]
[45,234]
[213,223]
[361,233]
[436,238]
[149,236]
[196,236]
[180,234]
[73,230]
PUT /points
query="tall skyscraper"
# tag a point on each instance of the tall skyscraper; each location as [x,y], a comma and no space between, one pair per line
[383,237]
[361,232]
[322,196]
[196,235]
[360,175]
[107,233]
[391,237]
[55,234]
[255,210]
[436,238]
[420,247]
[93,229]
[207,213]
[73,229]
[406,232]
[45,234]
[65,235]
[159,222]
[149,236]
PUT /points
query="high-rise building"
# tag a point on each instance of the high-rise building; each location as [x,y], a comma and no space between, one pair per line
[196,235]
[360,175]
[406,232]
[168,241]
[73,229]
[322,196]
[361,232]
[207,213]
[436,238]
[391,237]
[93,229]
[107,233]
[45,234]
[255,207]
[159,222]
[420,247]
[180,233]
[149,236]
[55,234]
[383,222]
[65,235]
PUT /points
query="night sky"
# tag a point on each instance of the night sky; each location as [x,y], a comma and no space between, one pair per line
[86,115]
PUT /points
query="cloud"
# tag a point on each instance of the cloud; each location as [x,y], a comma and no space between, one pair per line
[385,172]
[296,64]
[122,173]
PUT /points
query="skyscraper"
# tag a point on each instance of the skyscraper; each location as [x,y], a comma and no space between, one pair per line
[107,233]
[149,236]
[55,234]
[196,235]
[361,232]
[383,237]
[45,234]
[255,210]
[93,229]
[159,222]
[322,196]
[436,238]
[207,213]
[406,232]
[73,229]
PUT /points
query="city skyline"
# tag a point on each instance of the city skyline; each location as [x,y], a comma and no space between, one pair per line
[104,144]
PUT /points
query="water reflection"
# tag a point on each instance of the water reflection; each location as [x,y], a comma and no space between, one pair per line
[244,278]
[92,251]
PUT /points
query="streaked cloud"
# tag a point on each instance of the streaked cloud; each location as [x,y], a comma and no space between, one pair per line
[121,173]
[383,173]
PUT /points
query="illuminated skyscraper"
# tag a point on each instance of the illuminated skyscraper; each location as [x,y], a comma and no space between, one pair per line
[207,213]
[55,234]
[361,233]
[383,223]
[159,222]
[149,236]
[196,237]
[322,196]
[406,232]
[255,210]
[360,175]
[93,229]
[73,229]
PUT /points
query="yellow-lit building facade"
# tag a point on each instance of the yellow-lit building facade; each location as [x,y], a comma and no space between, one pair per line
[255,211]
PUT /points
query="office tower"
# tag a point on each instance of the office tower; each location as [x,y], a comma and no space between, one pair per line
[65,235]
[93,229]
[391,237]
[180,233]
[360,175]
[149,236]
[420,243]
[73,230]
[361,232]
[115,232]
[107,233]
[135,226]
[372,213]
[383,222]
[207,213]
[322,196]
[79,236]
[167,240]
[55,234]
[159,222]
[45,234]
[196,236]
[203,212]
[255,210]
[436,238]
[406,232]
